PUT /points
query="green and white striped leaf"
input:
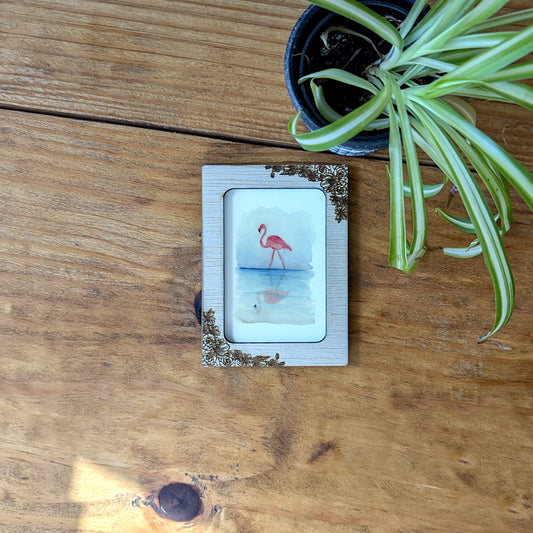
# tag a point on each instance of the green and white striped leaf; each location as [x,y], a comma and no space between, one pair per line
[397,232]
[416,249]
[498,187]
[479,213]
[322,106]
[517,175]
[477,40]
[513,92]
[440,17]
[464,253]
[515,72]
[463,224]
[427,190]
[412,16]
[462,107]
[338,74]
[363,15]
[456,18]
[342,129]
[524,15]
[516,93]
[489,61]
[472,16]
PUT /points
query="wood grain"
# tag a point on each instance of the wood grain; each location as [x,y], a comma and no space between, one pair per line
[214,68]
[103,398]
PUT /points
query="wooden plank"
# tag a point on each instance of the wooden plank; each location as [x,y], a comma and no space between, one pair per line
[207,67]
[103,398]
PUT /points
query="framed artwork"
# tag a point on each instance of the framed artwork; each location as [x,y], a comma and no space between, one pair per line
[274,265]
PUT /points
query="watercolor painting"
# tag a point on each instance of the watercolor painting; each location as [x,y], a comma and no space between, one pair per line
[275,266]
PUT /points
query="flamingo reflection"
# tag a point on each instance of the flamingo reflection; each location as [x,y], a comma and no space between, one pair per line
[272,296]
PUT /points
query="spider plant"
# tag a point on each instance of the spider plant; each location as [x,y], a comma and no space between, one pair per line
[456,50]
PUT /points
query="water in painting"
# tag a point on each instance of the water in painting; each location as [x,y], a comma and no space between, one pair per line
[275,265]
[274,296]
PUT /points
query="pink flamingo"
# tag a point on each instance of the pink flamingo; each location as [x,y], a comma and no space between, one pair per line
[274,242]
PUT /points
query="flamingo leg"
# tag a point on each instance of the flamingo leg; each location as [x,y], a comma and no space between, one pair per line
[281,260]
[272,259]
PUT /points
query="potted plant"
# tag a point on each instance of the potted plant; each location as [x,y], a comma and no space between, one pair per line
[425,65]
[322,39]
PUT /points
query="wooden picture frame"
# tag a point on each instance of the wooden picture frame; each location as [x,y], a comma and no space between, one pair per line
[267,302]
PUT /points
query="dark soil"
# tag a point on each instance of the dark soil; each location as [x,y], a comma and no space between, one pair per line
[347,52]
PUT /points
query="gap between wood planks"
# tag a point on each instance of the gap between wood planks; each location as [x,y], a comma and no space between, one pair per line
[170,129]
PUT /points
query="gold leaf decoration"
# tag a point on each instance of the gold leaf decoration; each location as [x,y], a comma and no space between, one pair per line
[332,178]
[216,350]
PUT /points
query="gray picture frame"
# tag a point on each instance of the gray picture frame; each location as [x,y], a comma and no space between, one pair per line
[217,351]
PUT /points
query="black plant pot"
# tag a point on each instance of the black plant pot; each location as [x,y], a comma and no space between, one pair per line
[303,49]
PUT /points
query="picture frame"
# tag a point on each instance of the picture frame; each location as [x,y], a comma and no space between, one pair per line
[274,265]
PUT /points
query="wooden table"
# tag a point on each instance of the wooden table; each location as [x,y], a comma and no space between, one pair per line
[108,110]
